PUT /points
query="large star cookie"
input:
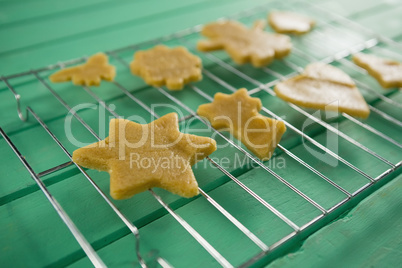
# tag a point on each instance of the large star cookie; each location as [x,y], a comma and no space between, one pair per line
[324,87]
[243,44]
[139,157]
[89,73]
[289,22]
[387,72]
[238,113]
[162,65]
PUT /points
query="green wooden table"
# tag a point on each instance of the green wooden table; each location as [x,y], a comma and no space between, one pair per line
[39,33]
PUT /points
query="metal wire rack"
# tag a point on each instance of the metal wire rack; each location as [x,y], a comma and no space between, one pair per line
[329,26]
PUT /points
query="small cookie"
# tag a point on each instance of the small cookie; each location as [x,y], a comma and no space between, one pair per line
[161,65]
[324,87]
[139,157]
[289,22]
[89,73]
[245,45]
[238,114]
[387,72]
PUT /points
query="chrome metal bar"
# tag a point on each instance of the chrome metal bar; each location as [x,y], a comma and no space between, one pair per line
[319,145]
[337,186]
[211,250]
[131,96]
[127,222]
[372,130]
[54,169]
[85,245]
[101,102]
[256,196]
[355,37]
[386,116]
[352,24]
[238,224]
[162,262]
[351,50]
[17,99]
[70,110]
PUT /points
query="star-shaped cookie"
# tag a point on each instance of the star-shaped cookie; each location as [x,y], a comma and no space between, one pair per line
[245,45]
[139,157]
[89,73]
[161,65]
[289,22]
[238,113]
[324,87]
[387,72]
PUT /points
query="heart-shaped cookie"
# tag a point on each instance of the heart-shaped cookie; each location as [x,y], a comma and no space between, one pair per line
[387,72]
[324,87]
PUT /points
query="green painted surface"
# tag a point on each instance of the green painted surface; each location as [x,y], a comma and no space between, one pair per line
[361,237]
[37,33]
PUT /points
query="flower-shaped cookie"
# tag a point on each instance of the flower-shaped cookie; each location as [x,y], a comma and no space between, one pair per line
[245,45]
[289,22]
[387,72]
[162,65]
[238,113]
[89,73]
[324,87]
[139,157]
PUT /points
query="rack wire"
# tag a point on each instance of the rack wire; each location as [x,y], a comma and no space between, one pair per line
[372,42]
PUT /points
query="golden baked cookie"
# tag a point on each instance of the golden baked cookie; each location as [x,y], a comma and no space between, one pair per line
[161,65]
[238,114]
[387,72]
[89,73]
[245,45]
[289,22]
[324,87]
[139,157]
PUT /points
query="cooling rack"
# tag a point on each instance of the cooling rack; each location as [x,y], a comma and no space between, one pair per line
[342,37]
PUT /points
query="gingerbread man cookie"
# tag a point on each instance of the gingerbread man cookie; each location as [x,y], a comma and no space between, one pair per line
[387,72]
[139,157]
[245,45]
[324,87]
[238,114]
[89,73]
[161,65]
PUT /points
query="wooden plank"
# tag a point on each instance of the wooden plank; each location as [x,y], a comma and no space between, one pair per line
[106,40]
